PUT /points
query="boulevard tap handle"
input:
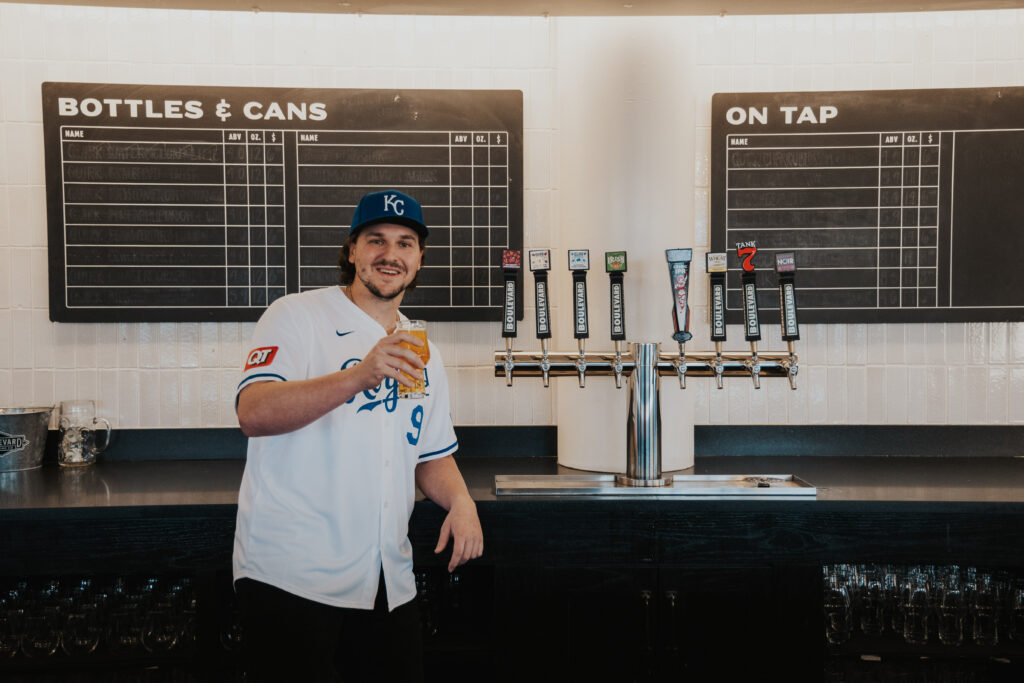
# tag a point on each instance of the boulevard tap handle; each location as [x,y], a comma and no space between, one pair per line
[785,266]
[615,264]
[540,264]
[746,251]
[511,262]
[717,265]
[679,275]
[579,264]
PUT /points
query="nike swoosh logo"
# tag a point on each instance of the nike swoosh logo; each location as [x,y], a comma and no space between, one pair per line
[342,334]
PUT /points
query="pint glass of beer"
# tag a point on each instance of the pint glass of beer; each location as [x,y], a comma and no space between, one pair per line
[417,328]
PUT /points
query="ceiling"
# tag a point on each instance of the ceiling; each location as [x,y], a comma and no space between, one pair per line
[558,8]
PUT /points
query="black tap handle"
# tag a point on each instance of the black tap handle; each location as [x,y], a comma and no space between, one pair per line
[746,251]
[717,265]
[615,264]
[579,264]
[511,262]
[540,264]
[785,266]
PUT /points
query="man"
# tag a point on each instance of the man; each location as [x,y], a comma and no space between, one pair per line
[322,560]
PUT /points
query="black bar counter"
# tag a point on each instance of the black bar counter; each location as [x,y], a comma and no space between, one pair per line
[606,588]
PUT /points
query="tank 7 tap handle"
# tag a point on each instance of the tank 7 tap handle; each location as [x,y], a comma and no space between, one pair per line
[746,251]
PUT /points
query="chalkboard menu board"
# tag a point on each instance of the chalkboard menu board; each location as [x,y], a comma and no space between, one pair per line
[180,203]
[900,205]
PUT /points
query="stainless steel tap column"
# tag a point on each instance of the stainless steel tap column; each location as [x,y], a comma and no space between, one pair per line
[643,426]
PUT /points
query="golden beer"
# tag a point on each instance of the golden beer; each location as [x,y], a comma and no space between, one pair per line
[418,328]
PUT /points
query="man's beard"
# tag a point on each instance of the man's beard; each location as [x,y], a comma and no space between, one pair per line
[373,289]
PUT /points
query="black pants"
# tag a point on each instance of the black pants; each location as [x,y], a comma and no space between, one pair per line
[288,638]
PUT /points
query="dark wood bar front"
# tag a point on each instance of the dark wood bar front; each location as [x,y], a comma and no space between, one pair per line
[607,589]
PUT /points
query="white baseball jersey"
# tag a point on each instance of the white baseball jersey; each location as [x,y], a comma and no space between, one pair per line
[323,508]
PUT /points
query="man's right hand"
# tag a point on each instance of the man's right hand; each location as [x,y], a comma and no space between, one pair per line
[389,359]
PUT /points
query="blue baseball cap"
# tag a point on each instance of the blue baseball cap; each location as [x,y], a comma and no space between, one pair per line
[388,206]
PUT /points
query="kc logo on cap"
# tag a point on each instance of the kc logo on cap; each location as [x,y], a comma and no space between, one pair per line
[388,206]
[393,204]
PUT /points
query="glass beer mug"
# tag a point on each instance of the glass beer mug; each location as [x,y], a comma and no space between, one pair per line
[418,328]
[79,433]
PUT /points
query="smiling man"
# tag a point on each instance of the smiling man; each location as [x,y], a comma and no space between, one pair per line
[322,559]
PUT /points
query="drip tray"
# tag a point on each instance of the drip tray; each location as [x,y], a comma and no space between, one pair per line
[695,486]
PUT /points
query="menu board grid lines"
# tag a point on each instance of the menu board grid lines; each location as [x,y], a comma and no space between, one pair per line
[161,220]
[897,204]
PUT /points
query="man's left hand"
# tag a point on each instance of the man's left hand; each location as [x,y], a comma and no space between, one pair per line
[462,526]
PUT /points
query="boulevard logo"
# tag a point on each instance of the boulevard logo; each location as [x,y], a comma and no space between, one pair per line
[542,308]
[789,295]
[750,306]
[618,324]
[581,308]
[10,443]
[510,306]
[718,310]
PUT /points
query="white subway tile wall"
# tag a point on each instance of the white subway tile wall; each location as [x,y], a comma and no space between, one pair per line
[184,374]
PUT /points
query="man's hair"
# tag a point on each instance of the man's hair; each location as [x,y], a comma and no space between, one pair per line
[348,269]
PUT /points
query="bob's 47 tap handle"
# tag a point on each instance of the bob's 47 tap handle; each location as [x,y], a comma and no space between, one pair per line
[615,264]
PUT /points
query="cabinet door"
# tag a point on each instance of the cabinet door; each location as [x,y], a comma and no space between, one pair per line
[580,623]
[718,623]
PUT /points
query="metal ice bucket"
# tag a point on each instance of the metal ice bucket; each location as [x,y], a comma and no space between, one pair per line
[23,437]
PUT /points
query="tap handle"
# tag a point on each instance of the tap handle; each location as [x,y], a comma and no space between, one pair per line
[511,262]
[540,264]
[785,266]
[615,264]
[752,326]
[579,264]
[717,265]
[679,275]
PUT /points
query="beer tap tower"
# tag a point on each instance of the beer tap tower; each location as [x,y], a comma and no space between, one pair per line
[646,363]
